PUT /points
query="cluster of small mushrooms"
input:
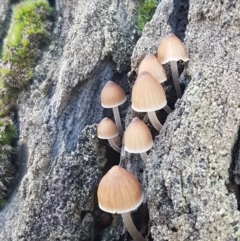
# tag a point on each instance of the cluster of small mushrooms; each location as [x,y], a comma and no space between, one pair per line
[119,191]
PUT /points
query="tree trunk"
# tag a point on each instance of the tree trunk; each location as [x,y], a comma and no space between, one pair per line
[190,180]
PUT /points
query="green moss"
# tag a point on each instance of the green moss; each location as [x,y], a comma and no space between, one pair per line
[7,135]
[8,96]
[145,12]
[2,203]
[28,32]
[7,131]
[4,72]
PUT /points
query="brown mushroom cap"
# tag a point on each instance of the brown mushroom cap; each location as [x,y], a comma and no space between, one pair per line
[151,64]
[137,137]
[112,95]
[147,94]
[119,191]
[107,129]
[171,49]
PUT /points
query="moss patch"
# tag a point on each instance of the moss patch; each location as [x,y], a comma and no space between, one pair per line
[29,31]
[2,203]
[7,134]
[145,12]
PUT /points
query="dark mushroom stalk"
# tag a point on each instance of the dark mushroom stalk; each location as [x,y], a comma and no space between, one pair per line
[167,109]
[175,76]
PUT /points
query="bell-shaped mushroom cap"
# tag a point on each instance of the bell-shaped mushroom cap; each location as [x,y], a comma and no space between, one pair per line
[171,49]
[137,137]
[112,95]
[151,64]
[147,94]
[119,191]
[107,129]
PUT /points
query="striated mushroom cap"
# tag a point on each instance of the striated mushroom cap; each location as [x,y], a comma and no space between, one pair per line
[147,94]
[151,65]
[171,49]
[112,95]
[107,129]
[137,137]
[119,191]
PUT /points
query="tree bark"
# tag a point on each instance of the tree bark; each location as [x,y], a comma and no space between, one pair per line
[190,180]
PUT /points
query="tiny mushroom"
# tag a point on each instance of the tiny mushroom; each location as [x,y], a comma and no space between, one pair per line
[108,130]
[112,96]
[137,138]
[119,191]
[148,96]
[172,49]
[151,64]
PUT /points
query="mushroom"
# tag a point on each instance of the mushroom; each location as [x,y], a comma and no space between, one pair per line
[108,130]
[117,140]
[137,138]
[148,96]
[151,64]
[172,49]
[112,96]
[119,191]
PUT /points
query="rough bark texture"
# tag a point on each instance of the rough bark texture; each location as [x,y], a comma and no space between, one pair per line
[60,158]
[4,11]
[192,174]
[191,193]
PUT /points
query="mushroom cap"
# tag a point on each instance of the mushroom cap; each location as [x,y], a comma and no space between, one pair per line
[112,95]
[137,137]
[147,94]
[171,49]
[151,64]
[107,129]
[119,191]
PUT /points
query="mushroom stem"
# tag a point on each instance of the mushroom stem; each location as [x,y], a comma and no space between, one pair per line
[118,120]
[167,109]
[117,140]
[175,77]
[113,145]
[154,120]
[127,220]
[144,156]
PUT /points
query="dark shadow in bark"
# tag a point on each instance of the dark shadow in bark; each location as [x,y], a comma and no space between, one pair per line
[178,19]
[234,171]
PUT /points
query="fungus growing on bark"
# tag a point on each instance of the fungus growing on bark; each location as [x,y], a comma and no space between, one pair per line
[117,140]
[112,96]
[151,64]
[119,191]
[171,49]
[148,96]
[137,138]
[108,130]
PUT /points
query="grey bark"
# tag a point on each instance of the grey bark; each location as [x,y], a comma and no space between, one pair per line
[4,13]
[188,180]
[191,192]
[92,42]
